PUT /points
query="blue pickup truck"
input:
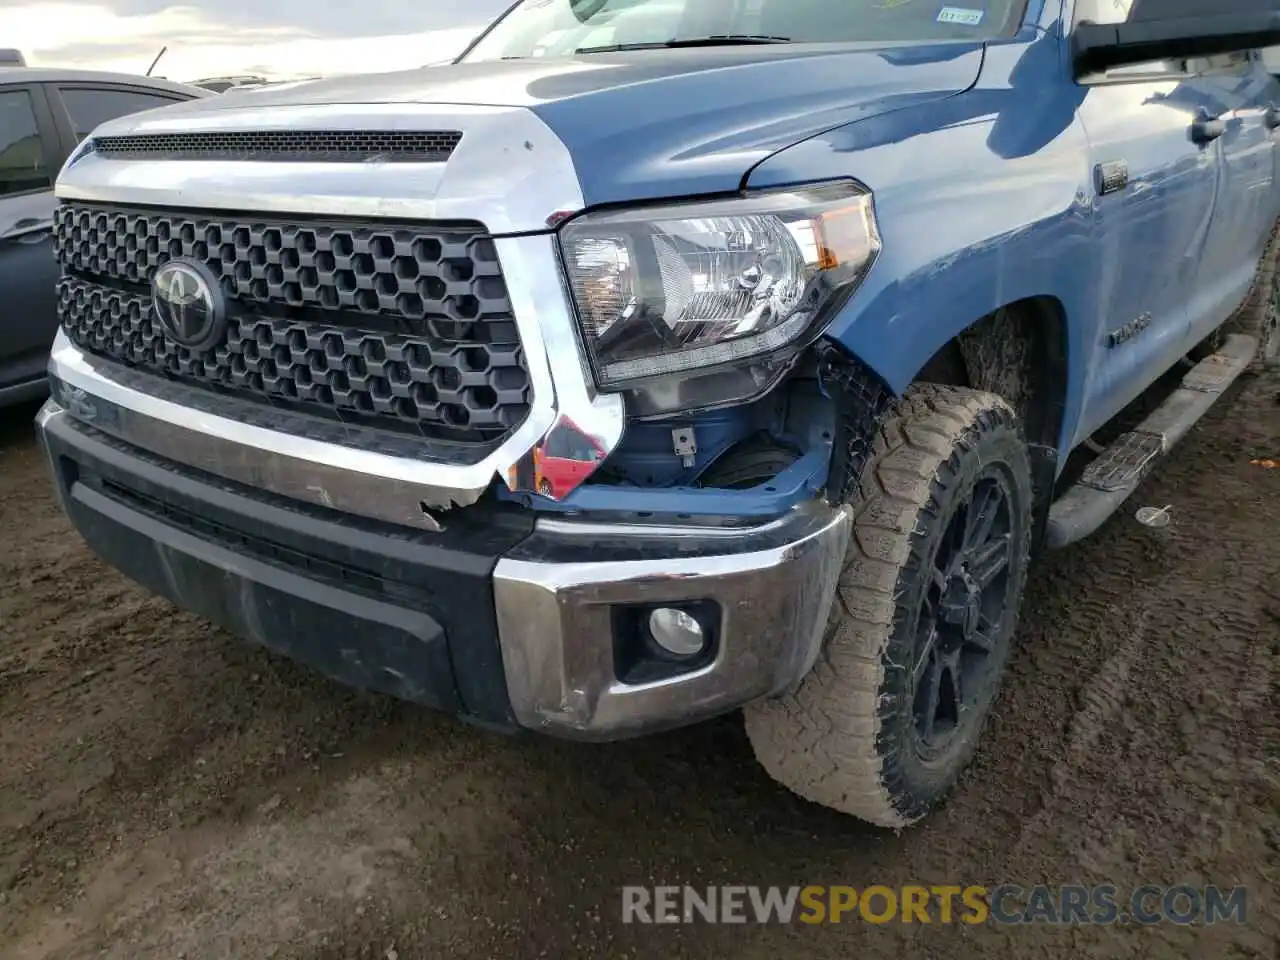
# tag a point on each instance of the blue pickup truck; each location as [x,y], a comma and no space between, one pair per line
[661,358]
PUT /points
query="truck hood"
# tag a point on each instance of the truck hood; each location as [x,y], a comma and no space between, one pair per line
[659,123]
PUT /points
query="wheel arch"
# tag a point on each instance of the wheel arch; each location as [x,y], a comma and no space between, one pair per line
[1021,348]
[1021,352]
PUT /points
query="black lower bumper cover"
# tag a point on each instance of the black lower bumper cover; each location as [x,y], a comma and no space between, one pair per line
[373,606]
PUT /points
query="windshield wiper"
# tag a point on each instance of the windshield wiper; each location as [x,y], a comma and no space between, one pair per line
[720,40]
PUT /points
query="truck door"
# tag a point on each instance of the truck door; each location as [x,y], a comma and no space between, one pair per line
[1152,204]
[29,159]
[1154,171]
[1246,207]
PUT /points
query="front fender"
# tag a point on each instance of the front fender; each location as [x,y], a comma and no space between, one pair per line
[982,200]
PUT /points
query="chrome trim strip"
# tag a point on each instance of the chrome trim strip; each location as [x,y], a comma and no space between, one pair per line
[594,530]
[364,482]
[542,294]
[254,412]
[47,412]
[556,632]
[510,171]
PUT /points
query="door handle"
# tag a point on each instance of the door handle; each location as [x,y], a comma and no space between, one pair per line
[1272,117]
[1207,129]
[27,230]
[30,238]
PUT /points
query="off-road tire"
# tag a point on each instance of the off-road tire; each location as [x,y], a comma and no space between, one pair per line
[847,737]
[1259,316]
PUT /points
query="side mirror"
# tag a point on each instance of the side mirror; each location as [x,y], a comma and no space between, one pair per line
[1175,29]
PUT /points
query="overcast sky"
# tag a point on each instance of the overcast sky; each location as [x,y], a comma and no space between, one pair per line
[279,38]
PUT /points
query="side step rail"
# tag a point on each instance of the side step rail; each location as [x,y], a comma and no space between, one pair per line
[1111,479]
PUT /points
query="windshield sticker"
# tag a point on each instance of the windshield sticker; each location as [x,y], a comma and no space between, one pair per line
[961,15]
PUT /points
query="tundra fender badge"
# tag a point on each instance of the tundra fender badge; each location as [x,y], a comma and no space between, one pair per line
[1129,331]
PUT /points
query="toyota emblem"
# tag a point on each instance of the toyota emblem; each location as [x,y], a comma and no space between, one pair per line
[189,305]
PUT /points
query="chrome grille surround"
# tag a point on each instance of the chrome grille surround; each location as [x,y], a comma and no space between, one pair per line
[363,472]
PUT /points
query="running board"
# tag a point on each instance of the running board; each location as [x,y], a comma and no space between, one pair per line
[1111,479]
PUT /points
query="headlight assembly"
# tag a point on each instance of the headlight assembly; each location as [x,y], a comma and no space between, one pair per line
[698,304]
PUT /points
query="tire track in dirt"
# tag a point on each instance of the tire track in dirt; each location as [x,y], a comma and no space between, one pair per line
[1100,703]
[1163,771]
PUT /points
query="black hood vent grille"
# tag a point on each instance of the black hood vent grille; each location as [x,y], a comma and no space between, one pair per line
[324,146]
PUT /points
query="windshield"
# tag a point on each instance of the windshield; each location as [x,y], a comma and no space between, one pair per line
[552,28]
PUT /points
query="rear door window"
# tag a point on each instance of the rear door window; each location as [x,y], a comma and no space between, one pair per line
[24,166]
[89,106]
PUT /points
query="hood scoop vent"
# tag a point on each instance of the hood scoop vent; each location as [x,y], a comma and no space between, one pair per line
[316,146]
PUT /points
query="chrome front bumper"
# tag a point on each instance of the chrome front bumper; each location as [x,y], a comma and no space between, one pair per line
[773,586]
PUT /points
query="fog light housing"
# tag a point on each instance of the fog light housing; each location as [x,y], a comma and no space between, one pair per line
[653,642]
[677,632]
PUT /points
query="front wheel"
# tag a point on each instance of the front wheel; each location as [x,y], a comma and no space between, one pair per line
[921,626]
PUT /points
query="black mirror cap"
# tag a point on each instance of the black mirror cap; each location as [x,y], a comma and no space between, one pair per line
[1176,29]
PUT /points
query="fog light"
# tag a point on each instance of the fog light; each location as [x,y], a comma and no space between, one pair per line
[676,631]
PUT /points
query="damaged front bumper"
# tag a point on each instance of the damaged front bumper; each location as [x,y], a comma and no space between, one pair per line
[501,619]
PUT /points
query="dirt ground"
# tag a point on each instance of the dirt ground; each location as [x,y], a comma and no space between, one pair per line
[168,792]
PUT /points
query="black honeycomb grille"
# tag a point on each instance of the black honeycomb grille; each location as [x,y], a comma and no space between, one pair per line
[405,328]
[286,145]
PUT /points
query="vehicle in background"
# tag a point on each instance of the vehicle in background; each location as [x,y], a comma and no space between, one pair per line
[12,58]
[44,114]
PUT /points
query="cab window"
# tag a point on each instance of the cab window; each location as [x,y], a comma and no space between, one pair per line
[89,106]
[23,168]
